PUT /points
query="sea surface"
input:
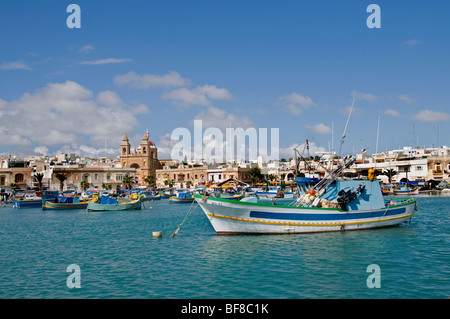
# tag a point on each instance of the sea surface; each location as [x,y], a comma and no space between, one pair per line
[119,258]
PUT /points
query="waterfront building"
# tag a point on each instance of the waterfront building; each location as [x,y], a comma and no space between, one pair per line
[144,158]
[96,174]
[181,175]
[13,171]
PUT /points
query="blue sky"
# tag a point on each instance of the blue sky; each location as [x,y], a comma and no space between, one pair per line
[158,65]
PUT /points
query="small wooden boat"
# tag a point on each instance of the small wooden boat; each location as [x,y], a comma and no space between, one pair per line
[182,197]
[106,203]
[149,196]
[406,190]
[167,193]
[63,203]
[31,200]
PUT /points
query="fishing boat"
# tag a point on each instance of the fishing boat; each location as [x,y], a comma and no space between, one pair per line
[167,193]
[333,204]
[406,190]
[146,196]
[106,203]
[32,200]
[63,203]
[182,197]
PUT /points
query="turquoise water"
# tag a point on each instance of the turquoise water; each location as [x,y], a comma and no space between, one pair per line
[119,258]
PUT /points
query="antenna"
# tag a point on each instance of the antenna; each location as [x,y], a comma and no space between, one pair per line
[346,124]
[378,132]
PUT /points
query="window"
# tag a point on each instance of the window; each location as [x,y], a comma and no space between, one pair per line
[124,150]
[108,177]
[418,168]
[19,178]
[95,176]
[119,178]
[2,181]
[144,150]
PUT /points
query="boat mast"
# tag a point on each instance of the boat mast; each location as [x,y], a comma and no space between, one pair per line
[345,129]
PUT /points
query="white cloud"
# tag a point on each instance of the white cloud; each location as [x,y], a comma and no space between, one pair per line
[106,61]
[295,103]
[319,128]
[355,112]
[432,116]
[16,65]
[64,113]
[201,95]
[42,150]
[146,81]
[86,48]
[288,152]
[109,98]
[364,96]
[84,150]
[391,112]
[405,98]
[215,117]
[411,43]
[140,109]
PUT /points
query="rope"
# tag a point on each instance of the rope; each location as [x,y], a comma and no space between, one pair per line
[185,218]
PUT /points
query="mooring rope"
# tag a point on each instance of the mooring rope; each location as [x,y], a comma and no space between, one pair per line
[185,218]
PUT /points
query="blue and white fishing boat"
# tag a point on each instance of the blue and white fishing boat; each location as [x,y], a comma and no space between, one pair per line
[182,197]
[331,205]
[31,200]
[63,203]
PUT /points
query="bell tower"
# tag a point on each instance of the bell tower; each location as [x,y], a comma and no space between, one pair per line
[125,146]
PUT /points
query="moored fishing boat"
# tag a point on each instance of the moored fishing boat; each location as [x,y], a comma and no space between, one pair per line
[167,193]
[31,200]
[63,203]
[406,190]
[331,205]
[106,203]
[368,210]
[182,197]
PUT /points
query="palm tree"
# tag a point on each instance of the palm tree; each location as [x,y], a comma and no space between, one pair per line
[188,184]
[169,182]
[106,186]
[150,180]
[61,177]
[390,173]
[84,185]
[38,178]
[128,181]
[255,174]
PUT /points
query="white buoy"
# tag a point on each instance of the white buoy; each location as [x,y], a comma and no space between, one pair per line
[157,234]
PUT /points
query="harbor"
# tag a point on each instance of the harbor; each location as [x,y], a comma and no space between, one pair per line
[215,157]
[38,245]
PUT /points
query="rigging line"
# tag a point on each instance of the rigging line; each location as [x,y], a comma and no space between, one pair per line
[346,124]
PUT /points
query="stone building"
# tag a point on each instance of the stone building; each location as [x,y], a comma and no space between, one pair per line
[144,158]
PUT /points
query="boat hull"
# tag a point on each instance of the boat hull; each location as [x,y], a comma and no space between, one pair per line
[48,205]
[27,203]
[91,207]
[405,192]
[234,217]
[177,200]
[151,197]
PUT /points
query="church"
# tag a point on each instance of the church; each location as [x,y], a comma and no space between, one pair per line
[144,158]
